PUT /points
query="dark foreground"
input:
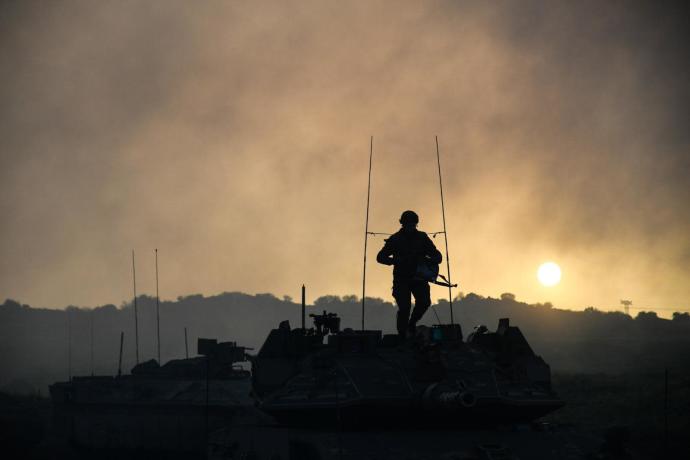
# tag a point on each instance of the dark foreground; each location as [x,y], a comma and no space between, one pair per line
[629,410]
[605,417]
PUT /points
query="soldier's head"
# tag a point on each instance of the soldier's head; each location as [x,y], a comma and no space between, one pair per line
[409,220]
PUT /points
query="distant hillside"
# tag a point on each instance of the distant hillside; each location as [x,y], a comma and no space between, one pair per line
[34,342]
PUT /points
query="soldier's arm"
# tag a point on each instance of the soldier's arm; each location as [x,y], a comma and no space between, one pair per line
[386,254]
[431,252]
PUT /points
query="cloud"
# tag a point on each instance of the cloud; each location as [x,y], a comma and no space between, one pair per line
[234,137]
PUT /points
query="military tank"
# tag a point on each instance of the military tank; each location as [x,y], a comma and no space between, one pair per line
[325,375]
[157,408]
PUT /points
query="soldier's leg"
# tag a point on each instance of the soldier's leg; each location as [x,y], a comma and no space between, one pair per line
[422,302]
[401,294]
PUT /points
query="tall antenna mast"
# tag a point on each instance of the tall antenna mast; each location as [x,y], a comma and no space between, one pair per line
[119,362]
[158,320]
[304,304]
[445,232]
[186,349]
[366,230]
[136,313]
[69,345]
[91,335]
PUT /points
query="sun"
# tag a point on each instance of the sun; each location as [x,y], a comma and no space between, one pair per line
[549,274]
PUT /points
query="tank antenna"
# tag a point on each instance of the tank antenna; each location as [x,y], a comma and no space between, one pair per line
[438,320]
[303,306]
[186,349]
[69,345]
[119,362]
[158,320]
[91,336]
[136,314]
[366,231]
[445,233]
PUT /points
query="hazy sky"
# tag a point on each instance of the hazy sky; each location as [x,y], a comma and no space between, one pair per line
[234,137]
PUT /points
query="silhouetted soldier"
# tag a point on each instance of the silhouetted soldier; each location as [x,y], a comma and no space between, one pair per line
[406,250]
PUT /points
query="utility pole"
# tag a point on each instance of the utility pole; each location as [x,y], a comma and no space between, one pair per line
[626,306]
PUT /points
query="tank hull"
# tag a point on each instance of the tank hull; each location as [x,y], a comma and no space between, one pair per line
[404,413]
[142,414]
[363,379]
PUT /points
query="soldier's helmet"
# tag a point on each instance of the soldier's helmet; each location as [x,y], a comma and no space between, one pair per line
[409,217]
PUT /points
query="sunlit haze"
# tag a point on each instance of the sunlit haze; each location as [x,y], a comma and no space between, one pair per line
[234,137]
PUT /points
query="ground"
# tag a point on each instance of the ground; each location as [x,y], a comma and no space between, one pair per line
[605,417]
